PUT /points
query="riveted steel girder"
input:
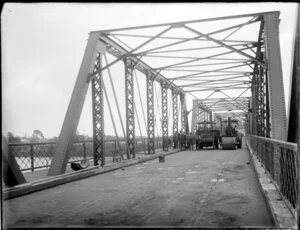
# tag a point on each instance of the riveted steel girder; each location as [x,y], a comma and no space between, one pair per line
[184,128]
[98,116]
[164,110]
[175,111]
[150,115]
[259,100]
[129,98]
[260,122]
[275,80]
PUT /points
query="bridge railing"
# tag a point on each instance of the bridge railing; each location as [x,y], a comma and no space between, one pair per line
[280,161]
[33,156]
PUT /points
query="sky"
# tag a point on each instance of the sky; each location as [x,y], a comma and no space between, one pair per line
[43,46]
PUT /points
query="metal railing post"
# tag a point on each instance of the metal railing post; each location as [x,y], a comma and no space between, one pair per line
[32,157]
[84,151]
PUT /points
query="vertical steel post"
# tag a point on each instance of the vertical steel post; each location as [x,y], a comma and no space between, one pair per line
[263,101]
[257,103]
[98,115]
[260,102]
[199,115]
[254,101]
[261,92]
[150,115]
[175,111]
[129,97]
[194,116]
[249,115]
[164,109]
[183,113]
[275,80]
[268,124]
[84,150]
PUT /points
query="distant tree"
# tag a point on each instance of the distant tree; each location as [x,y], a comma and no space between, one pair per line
[37,135]
[12,139]
[10,136]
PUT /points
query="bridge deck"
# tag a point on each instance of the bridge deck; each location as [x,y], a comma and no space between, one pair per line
[192,188]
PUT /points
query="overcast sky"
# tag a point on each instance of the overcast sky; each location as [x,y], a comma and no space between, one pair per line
[43,45]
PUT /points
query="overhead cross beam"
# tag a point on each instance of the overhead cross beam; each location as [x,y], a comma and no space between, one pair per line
[227,46]
[201,58]
[195,75]
[194,38]
[199,39]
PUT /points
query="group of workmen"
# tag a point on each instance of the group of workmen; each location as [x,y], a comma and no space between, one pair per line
[183,141]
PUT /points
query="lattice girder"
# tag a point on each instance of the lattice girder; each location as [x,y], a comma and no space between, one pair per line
[175,111]
[164,109]
[129,98]
[98,116]
[150,115]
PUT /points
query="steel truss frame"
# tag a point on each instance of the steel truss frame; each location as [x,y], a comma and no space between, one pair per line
[199,80]
[109,37]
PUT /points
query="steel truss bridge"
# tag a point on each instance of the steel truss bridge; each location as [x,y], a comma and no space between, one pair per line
[225,66]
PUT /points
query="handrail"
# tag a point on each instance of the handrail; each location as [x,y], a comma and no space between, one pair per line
[87,141]
[289,145]
[281,162]
[35,155]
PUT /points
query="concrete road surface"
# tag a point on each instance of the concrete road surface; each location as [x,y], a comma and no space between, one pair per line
[208,188]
